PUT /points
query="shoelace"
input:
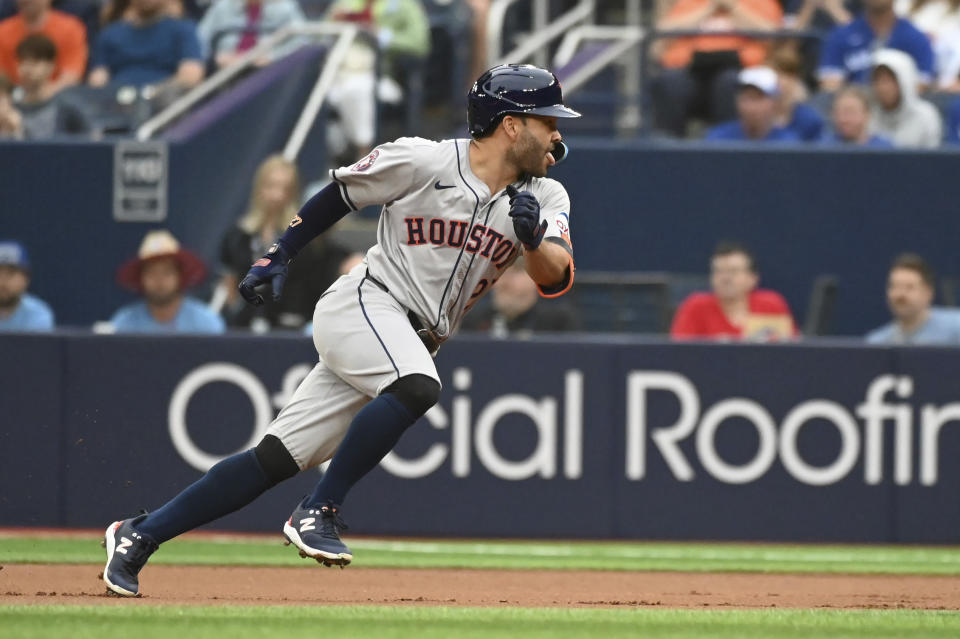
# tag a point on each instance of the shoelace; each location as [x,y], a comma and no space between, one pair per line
[331,524]
[140,551]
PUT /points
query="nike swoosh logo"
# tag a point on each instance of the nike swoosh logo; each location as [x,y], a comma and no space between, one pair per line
[439,186]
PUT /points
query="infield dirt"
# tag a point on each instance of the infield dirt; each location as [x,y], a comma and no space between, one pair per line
[205,585]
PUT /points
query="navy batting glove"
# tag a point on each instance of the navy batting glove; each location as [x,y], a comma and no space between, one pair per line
[272,268]
[525,212]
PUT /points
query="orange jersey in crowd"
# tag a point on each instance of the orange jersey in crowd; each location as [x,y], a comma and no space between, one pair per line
[67,33]
[700,315]
[679,52]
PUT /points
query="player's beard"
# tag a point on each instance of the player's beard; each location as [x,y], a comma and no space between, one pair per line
[528,155]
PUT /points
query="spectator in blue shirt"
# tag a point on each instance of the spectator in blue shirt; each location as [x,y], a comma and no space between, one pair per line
[147,47]
[848,52]
[161,272]
[757,110]
[910,292]
[19,311]
[851,121]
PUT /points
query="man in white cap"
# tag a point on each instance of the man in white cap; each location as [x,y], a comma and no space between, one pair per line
[19,311]
[757,91]
[161,272]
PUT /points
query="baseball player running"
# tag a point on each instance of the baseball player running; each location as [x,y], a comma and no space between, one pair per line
[455,215]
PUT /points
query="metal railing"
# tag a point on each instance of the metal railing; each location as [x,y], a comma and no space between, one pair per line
[543,31]
[345,35]
[623,40]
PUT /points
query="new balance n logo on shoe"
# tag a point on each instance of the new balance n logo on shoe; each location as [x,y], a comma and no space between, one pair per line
[124,544]
[307,524]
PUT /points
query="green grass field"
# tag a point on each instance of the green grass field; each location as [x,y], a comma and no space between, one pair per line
[161,622]
[147,622]
[539,555]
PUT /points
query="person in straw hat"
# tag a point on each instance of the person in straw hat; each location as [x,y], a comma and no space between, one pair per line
[160,273]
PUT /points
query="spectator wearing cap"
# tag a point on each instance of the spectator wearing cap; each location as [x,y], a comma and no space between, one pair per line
[736,308]
[757,93]
[19,310]
[45,112]
[66,31]
[910,292]
[899,113]
[160,273]
[848,51]
[851,121]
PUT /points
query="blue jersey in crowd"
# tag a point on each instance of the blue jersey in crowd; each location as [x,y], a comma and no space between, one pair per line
[849,50]
[32,314]
[733,131]
[193,317]
[140,55]
[953,123]
[942,327]
[806,123]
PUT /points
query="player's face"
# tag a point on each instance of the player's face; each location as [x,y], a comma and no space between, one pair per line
[160,280]
[886,88]
[13,284]
[731,277]
[907,294]
[531,151]
[850,116]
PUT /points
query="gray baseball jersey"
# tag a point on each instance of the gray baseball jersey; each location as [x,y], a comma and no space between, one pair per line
[443,238]
[442,242]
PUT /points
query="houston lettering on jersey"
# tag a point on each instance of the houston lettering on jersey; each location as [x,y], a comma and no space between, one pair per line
[486,241]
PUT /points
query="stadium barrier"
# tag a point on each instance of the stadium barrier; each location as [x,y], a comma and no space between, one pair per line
[586,437]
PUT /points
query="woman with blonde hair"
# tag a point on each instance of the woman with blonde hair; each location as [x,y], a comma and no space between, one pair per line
[274,201]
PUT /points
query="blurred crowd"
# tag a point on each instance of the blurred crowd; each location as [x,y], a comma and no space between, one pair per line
[877,73]
[882,74]
[69,67]
[873,73]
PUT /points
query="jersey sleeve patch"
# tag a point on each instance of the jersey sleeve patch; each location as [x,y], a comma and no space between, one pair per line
[366,162]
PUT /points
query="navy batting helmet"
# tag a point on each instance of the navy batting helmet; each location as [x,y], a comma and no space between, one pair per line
[514,88]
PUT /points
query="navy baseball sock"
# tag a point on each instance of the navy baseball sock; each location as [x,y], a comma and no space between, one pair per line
[228,486]
[374,432]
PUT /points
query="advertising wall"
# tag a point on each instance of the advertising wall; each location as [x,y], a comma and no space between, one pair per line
[587,438]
